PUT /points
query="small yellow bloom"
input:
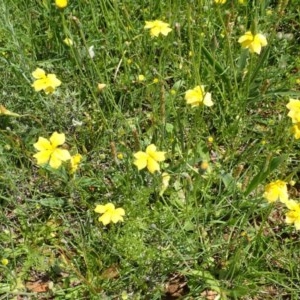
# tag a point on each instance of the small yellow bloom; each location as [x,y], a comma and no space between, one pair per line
[165,182]
[253,42]
[292,182]
[296,131]
[294,107]
[4,261]
[276,190]
[101,86]
[158,27]
[141,78]
[110,213]
[61,3]
[155,80]
[210,139]
[204,165]
[75,161]
[269,12]
[293,215]
[49,151]
[120,156]
[149,159]
[242,1]
[198,96]
[48,83]
[68,42]
[173,92]
[220,1]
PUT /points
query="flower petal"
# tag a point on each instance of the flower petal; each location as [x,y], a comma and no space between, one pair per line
[100,209]
[141,160]
[39,84]
[42,157]
[57,139]
[54,162]
[150,149]
[53,81]
[38,73]
[42,144]
[158,155]
[105,219]
[207,100]
[61,154]
[152,165]
[262,39]
[297,224]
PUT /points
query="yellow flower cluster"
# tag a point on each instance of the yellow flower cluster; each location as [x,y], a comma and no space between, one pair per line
[277,191]
[294,114]
[52,152]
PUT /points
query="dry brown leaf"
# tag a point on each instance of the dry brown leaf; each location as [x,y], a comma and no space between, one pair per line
[209,295]
[111,272]
[37,286]
[176,286]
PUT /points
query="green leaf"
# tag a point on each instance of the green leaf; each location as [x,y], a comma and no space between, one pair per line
[52,202]
[228,181]
[261,176]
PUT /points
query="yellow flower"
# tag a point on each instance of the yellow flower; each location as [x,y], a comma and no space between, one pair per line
[110,213]
[75,161]
[120,156]
[204,165]
[49,151]
[242,1]
[155,80]
[4,261]
[197,96]
[48,83]
[149,159]
[220,1]
[141,78]
[269,12]
[156,27]
[68,42]
[276,190]
[294,107]
[296,131]
[253,42]
[61,3]
[210,139]
[293,215]
[101,86]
